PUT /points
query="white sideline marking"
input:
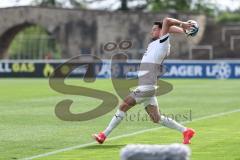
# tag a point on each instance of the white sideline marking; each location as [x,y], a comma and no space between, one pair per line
[125,135]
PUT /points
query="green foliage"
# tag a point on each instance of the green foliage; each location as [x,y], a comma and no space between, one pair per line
[228,17]
[124,6]
[163,5]
[33,43]
[55,3]
[196,6]
[48,3]
[205,8]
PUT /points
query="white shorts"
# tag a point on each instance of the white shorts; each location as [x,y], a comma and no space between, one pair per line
[145,94]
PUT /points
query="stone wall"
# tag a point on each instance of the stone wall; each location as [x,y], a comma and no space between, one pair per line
[75,30]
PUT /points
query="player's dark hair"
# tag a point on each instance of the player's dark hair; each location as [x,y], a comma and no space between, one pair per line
[158,23]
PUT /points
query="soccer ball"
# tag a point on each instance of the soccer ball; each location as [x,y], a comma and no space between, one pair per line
[194,29]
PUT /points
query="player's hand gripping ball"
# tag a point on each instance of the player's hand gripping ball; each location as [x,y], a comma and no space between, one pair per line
[193,30]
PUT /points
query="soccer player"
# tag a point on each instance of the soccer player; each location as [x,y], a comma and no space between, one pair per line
[158,49]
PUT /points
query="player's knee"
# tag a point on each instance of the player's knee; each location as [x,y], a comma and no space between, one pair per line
[127,104]
[124,106]
[155,118]
[130,101]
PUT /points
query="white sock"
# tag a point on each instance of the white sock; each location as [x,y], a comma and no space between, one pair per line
[117,118]
[170,123]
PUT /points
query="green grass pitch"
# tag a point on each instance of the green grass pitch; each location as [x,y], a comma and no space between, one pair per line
[29,127]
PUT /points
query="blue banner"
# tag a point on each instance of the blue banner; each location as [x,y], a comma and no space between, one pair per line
[215,69]
[178,69]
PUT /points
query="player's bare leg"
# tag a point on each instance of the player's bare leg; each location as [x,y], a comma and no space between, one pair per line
[155,116]
[117,118]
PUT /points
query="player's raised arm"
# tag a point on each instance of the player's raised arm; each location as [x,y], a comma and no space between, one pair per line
[177,29]
[171,25]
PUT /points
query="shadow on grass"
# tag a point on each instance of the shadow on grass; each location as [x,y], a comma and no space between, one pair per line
[105,146]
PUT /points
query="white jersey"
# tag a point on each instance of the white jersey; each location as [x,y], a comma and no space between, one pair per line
[157,50]
[150,66]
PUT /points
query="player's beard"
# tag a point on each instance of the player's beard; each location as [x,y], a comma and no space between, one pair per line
[153,39]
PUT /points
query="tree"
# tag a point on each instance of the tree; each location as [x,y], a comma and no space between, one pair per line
[198,6]
[124,5]
[61,4]
[165,5]
[47,3]
[205,8]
